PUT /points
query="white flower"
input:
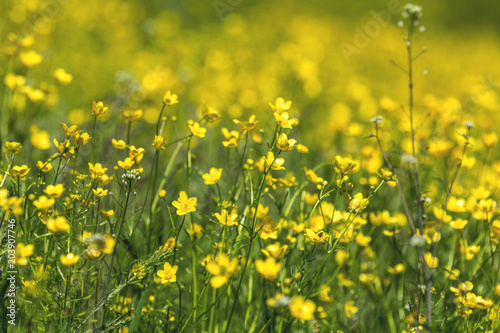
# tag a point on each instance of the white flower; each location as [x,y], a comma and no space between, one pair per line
[377,119]
[469,124]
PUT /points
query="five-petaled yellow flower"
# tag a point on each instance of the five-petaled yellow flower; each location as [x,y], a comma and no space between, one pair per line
[268,268]
[98,109]
[222,269]
[159,142]
[301,308]
[69,259]
[13,147]
[168,273]
[184,204]
[213,176]
[169,98]
[19,171]
[280,105]
[196,129]
[285,144]
[131,115]
[226,218]
[54,191]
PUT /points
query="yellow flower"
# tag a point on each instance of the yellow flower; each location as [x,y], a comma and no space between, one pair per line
[58,224]
[96,170]
[132,115]
[30,58]
[222,269]
[463,288]
[284,121]
[69,259]
[45,167]
[169,244]
[107,214]
[13,147]
[62,77]
[318,237]
[301,308]
[324,293]
[169,98]
[70,131]
[81,139]
[246,127]
[268,268]
[431,261]
[100,192]
[396,269]
[209,114]
[490,140]
[127,164]
[196,129]
[15,82]
[43,202]
[162,193]
[184,204]
[227,218]
[54,191]
[345,165]
[168,273]
[458,224]
[213,176]
[159,142]
[118,144]
[19,171]
[350,309]
[302,149]
[231,139]
[35,95]
[274,164]
[280,105]
[275,250]
[22,253]
[40,139]
[283,143]
[98,109]
[312,176]
[358,203]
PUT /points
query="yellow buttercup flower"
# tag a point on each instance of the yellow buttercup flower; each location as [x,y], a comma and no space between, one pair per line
[100,192]
[209,113]
[268,268]
[44,166]
[222,269]
[396,269]
[107,214]
[54,191]
[169,98]
[284,120]
[118,144]
[274,163]
[302,309]
[22,253]
[69,259]
[275,250]
[132,115]
[58,224]
[81,139]
[231,139]
[19,171]
[62,77]
[285,144]
[184,204]
[14,82]
[280,105]
[71,130]
[159,142]
[96,170]
[196,129]
[13,147]
[98,109]
[318,237]
[358,203]
[324,293]
[246,127]
[462,289]
[213,176]
[30,58]
[40,139]
[127,164]
[162,193]
[350,309]
[345,165]
[431,261]
[226,218]
[312,176]
[302,149]
[490,140]
[43,202]
[168,273]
